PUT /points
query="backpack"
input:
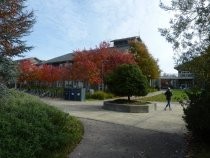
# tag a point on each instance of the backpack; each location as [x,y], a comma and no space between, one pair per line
[168,94]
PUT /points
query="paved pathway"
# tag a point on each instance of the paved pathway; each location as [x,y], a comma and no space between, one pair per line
[109,134]
[107,140]
[158,120]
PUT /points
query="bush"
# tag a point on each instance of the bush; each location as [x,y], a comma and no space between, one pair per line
[56,92]
[127,80]
[197,115]
[99,95]
[151,89]
[30,128]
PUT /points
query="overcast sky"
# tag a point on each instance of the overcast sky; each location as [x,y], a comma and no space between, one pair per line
[66,25]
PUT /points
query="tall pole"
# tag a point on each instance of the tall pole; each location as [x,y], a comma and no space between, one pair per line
[102,76]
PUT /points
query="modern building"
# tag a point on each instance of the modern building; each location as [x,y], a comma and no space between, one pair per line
[62,60]
[33,60]
[184,80]
[123,43]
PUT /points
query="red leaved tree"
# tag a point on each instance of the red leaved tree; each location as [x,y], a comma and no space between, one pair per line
[28,72]
[84,68]
[50,74]
[91,66]
[44,74]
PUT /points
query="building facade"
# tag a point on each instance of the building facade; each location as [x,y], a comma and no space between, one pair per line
[184,80]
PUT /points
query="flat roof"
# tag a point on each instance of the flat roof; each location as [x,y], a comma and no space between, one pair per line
[128,38]
[63,58]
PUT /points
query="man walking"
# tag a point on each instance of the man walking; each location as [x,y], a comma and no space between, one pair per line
[168,95]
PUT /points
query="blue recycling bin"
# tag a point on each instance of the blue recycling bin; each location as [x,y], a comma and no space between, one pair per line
[74,94]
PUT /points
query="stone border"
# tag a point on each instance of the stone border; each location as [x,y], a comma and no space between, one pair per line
[130,108]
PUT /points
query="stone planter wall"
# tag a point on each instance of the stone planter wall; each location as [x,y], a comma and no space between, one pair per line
[126,107]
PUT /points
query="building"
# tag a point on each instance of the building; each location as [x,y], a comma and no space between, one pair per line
[123,43]
[63,60]
[184,80]
[33,60]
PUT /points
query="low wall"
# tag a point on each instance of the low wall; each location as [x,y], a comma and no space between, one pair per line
[126,107]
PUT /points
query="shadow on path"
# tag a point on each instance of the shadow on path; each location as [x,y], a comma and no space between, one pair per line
[108,140]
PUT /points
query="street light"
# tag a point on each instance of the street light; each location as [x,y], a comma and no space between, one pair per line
[102,74]
[149,76]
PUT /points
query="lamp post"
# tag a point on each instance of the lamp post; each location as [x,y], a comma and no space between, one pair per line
[149,77]
[102,74]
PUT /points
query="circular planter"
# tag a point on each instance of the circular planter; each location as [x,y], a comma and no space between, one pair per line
[132,108]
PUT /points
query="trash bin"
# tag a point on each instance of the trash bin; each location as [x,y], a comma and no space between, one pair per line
[74,94]
[79,94]
[66,94]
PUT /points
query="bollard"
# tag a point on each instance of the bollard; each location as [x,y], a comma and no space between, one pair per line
[155,106]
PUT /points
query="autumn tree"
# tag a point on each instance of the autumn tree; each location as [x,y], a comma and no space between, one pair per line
[145,61]
[50,74]
[28,71]
[91,66]
[127,80]
[44,74]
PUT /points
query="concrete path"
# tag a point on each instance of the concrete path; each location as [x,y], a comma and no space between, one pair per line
[108,140]
[158,120]
[109,134]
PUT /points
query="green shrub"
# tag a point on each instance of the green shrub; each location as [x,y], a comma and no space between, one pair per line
[197,115]
[127,80]
[4,93]
[99,95]
[151,89]
[30,128]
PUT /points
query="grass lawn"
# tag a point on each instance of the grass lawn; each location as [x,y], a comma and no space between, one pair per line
[177,95]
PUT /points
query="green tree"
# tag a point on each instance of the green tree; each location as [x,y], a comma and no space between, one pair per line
[200,67]
[190,33]
[8,70]
[15,23]
[189,30]
[145,61]
[127,80]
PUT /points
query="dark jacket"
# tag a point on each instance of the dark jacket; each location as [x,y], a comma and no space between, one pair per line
[168,94]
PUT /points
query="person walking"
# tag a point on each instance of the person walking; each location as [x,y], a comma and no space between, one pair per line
[168,95]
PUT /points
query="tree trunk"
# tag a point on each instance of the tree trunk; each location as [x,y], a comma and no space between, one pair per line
[129,99]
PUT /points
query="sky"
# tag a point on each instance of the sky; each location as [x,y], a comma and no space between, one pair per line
[63,26]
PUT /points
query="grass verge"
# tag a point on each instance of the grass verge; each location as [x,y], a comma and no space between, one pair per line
[177,95]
